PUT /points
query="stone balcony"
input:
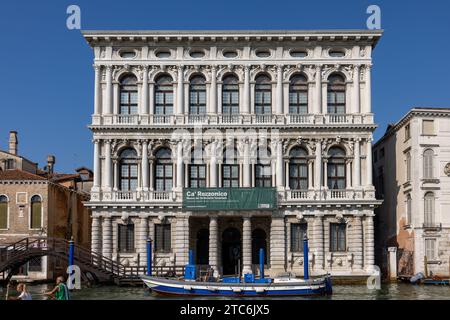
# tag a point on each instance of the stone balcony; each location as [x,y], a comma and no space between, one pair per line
[285,197]
[235,119]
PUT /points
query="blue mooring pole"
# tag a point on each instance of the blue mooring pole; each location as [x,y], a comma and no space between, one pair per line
[305,258]
[191,257]
[261,262]
[71,251]
[149,257]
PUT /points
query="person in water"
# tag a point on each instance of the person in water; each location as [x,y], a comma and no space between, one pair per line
[60,292]
[23,293]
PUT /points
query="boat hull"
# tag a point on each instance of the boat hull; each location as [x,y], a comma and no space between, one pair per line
[173,287]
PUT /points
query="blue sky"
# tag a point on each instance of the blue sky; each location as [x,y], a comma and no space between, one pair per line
[47,77]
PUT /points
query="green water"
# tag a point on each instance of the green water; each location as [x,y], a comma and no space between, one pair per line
[340,292]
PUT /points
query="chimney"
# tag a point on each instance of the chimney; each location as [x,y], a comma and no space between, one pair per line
[13,142]
[50,163]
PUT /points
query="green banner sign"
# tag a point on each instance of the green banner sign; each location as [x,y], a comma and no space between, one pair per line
[229,198]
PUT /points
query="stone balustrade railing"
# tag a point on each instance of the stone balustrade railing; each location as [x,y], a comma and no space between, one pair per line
[231,119]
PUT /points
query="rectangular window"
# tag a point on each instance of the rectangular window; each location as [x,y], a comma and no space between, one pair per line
[407,132]
[408,167]
[381,153]
[337,237]
[36,215]
[428,127]
[230,175]
[126,237]
[298,232]
[10,164]
[430,249]
[163,238]
[35,265]
[381,181]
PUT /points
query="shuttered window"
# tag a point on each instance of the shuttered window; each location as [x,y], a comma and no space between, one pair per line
[428,164]
[429,209]
[126,237]
[163,238]
[3,212]
[430,249]
[409,209]
[408,167]
[298,232]
[36,213]
[337,237]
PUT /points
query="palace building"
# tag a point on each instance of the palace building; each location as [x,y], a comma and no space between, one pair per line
[226,142]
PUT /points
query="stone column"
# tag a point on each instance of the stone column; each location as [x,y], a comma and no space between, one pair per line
[95,235]
[325,173]
[286,174]
[368,102]
[180,92]
[180,177]
[247,245]
[349,176]
[356,93]
[213,166]
[369,257]
[318,242]
[151,98]
[213,245]
[357,163]
[246,163]
[357,242]
[279,109]
[97,173]
[181,247]
[318,102]
[279,154]
[98,90]
[108,166]
[115,174]
[310,174]
[213,92]
[392,258]
[151,186]
[141,235]
[116,98]
[145,174]
[369,164]
[144,107]
[318,165]
[108,100]
[107,237]
[246,106]
[277,245]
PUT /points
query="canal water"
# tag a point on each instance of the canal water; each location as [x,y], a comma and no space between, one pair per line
[396,291]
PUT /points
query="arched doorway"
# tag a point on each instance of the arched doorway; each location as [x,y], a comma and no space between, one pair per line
[202,247]
[231,251]
[258,242]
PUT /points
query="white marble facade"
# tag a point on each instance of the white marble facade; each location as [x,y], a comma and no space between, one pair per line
[303,96]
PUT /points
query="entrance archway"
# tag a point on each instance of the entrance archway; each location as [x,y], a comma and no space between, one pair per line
[258,242]
[202,246]
[231,251]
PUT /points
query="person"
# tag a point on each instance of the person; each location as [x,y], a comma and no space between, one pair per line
[60,292]
[23,293]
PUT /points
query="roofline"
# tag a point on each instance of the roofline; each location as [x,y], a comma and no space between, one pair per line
[411,113]
[307,35]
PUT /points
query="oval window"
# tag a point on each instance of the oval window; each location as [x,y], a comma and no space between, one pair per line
[337,54]
[263,53]
[298,54]
[163,54]
[197,54]
[128,54]
[230,54]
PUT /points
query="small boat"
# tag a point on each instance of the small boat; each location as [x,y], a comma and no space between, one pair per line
[249,286]
[268,287]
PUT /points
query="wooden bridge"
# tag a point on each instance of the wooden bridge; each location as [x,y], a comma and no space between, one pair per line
[94,266]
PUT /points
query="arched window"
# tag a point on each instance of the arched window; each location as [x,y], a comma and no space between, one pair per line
[230,95]
[263,168]
[197,95]
[197,169]
[409,209]
[298,95]
[128,95]
[298,169]
[336,174]
[263,95]
[336,94]
[428,169]
[230,169]
[3,212]
[429,209]
[163,170]
[164,95]
[36,212]
[128,173]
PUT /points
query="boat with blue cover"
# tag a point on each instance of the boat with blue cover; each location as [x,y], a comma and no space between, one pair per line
[246,286]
